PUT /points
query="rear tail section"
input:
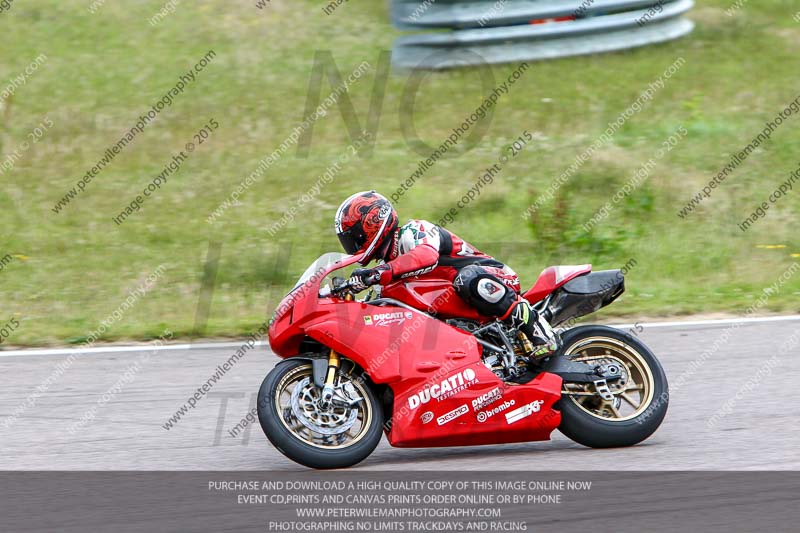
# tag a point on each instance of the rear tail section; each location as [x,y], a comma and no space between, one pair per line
[583,295]
[552,278]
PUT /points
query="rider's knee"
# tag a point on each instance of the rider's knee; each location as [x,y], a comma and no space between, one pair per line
[483,291]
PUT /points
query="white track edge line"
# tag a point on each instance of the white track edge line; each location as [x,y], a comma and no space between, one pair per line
[119,349]
[217,345]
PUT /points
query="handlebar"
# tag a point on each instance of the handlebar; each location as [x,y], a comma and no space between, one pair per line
[339,286]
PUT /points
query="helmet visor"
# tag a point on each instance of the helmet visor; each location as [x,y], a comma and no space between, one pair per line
[352,239]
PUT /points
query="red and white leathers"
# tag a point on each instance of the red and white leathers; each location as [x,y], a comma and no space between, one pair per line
[492,288]
[421,247]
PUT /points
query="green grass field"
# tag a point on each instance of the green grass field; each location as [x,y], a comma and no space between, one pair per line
[71,270]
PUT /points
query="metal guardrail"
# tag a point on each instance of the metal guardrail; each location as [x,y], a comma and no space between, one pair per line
[457,14]
[600,24]
[604,29]
[420,57]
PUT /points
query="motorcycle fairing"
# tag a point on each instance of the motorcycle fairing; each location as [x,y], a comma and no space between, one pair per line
[412,352]
[514,412]
[389,342]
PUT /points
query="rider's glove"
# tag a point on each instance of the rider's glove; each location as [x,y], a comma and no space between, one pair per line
[361,278]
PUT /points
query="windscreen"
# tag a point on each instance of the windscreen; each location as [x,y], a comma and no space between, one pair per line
[322,263]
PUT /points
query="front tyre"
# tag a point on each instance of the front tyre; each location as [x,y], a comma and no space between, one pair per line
[640,396]
[291,418]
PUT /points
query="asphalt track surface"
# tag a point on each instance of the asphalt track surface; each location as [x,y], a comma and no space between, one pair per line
[754,371]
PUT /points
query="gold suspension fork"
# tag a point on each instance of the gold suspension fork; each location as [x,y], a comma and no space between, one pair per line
[330,376]
[333,366]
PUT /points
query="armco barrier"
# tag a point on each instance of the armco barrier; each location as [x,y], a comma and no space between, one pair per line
[458,14]
[594,31]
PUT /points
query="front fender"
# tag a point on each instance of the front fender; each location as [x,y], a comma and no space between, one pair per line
[319,365]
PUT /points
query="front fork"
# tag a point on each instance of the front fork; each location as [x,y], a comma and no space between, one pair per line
[330,376]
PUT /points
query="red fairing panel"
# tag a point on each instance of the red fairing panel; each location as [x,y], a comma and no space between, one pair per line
[470,405]
[552,278]
[389,342]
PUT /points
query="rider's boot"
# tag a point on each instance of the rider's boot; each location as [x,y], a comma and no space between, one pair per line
[534,327]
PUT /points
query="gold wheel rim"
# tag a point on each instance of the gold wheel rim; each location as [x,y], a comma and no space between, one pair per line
[307,434]
[633,393]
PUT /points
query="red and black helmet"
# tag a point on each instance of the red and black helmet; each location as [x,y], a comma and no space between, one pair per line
[365,223]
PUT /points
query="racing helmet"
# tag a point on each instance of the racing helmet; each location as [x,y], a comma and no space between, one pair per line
[365,223]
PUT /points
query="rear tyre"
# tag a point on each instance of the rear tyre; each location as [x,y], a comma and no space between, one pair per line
[294,423]
[641,396]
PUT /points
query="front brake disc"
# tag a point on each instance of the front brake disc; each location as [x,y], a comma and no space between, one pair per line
[305,407]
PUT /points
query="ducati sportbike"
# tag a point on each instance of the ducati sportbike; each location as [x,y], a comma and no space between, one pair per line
[414,362]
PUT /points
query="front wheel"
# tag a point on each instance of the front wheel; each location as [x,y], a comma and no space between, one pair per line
[341,435]
[631,408]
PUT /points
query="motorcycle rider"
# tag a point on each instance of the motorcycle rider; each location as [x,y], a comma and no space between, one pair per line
[367,222]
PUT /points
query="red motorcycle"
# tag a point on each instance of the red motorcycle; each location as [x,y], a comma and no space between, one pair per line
[412,360]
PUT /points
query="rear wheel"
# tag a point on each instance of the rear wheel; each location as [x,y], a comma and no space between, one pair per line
[290,414]
[631,408]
